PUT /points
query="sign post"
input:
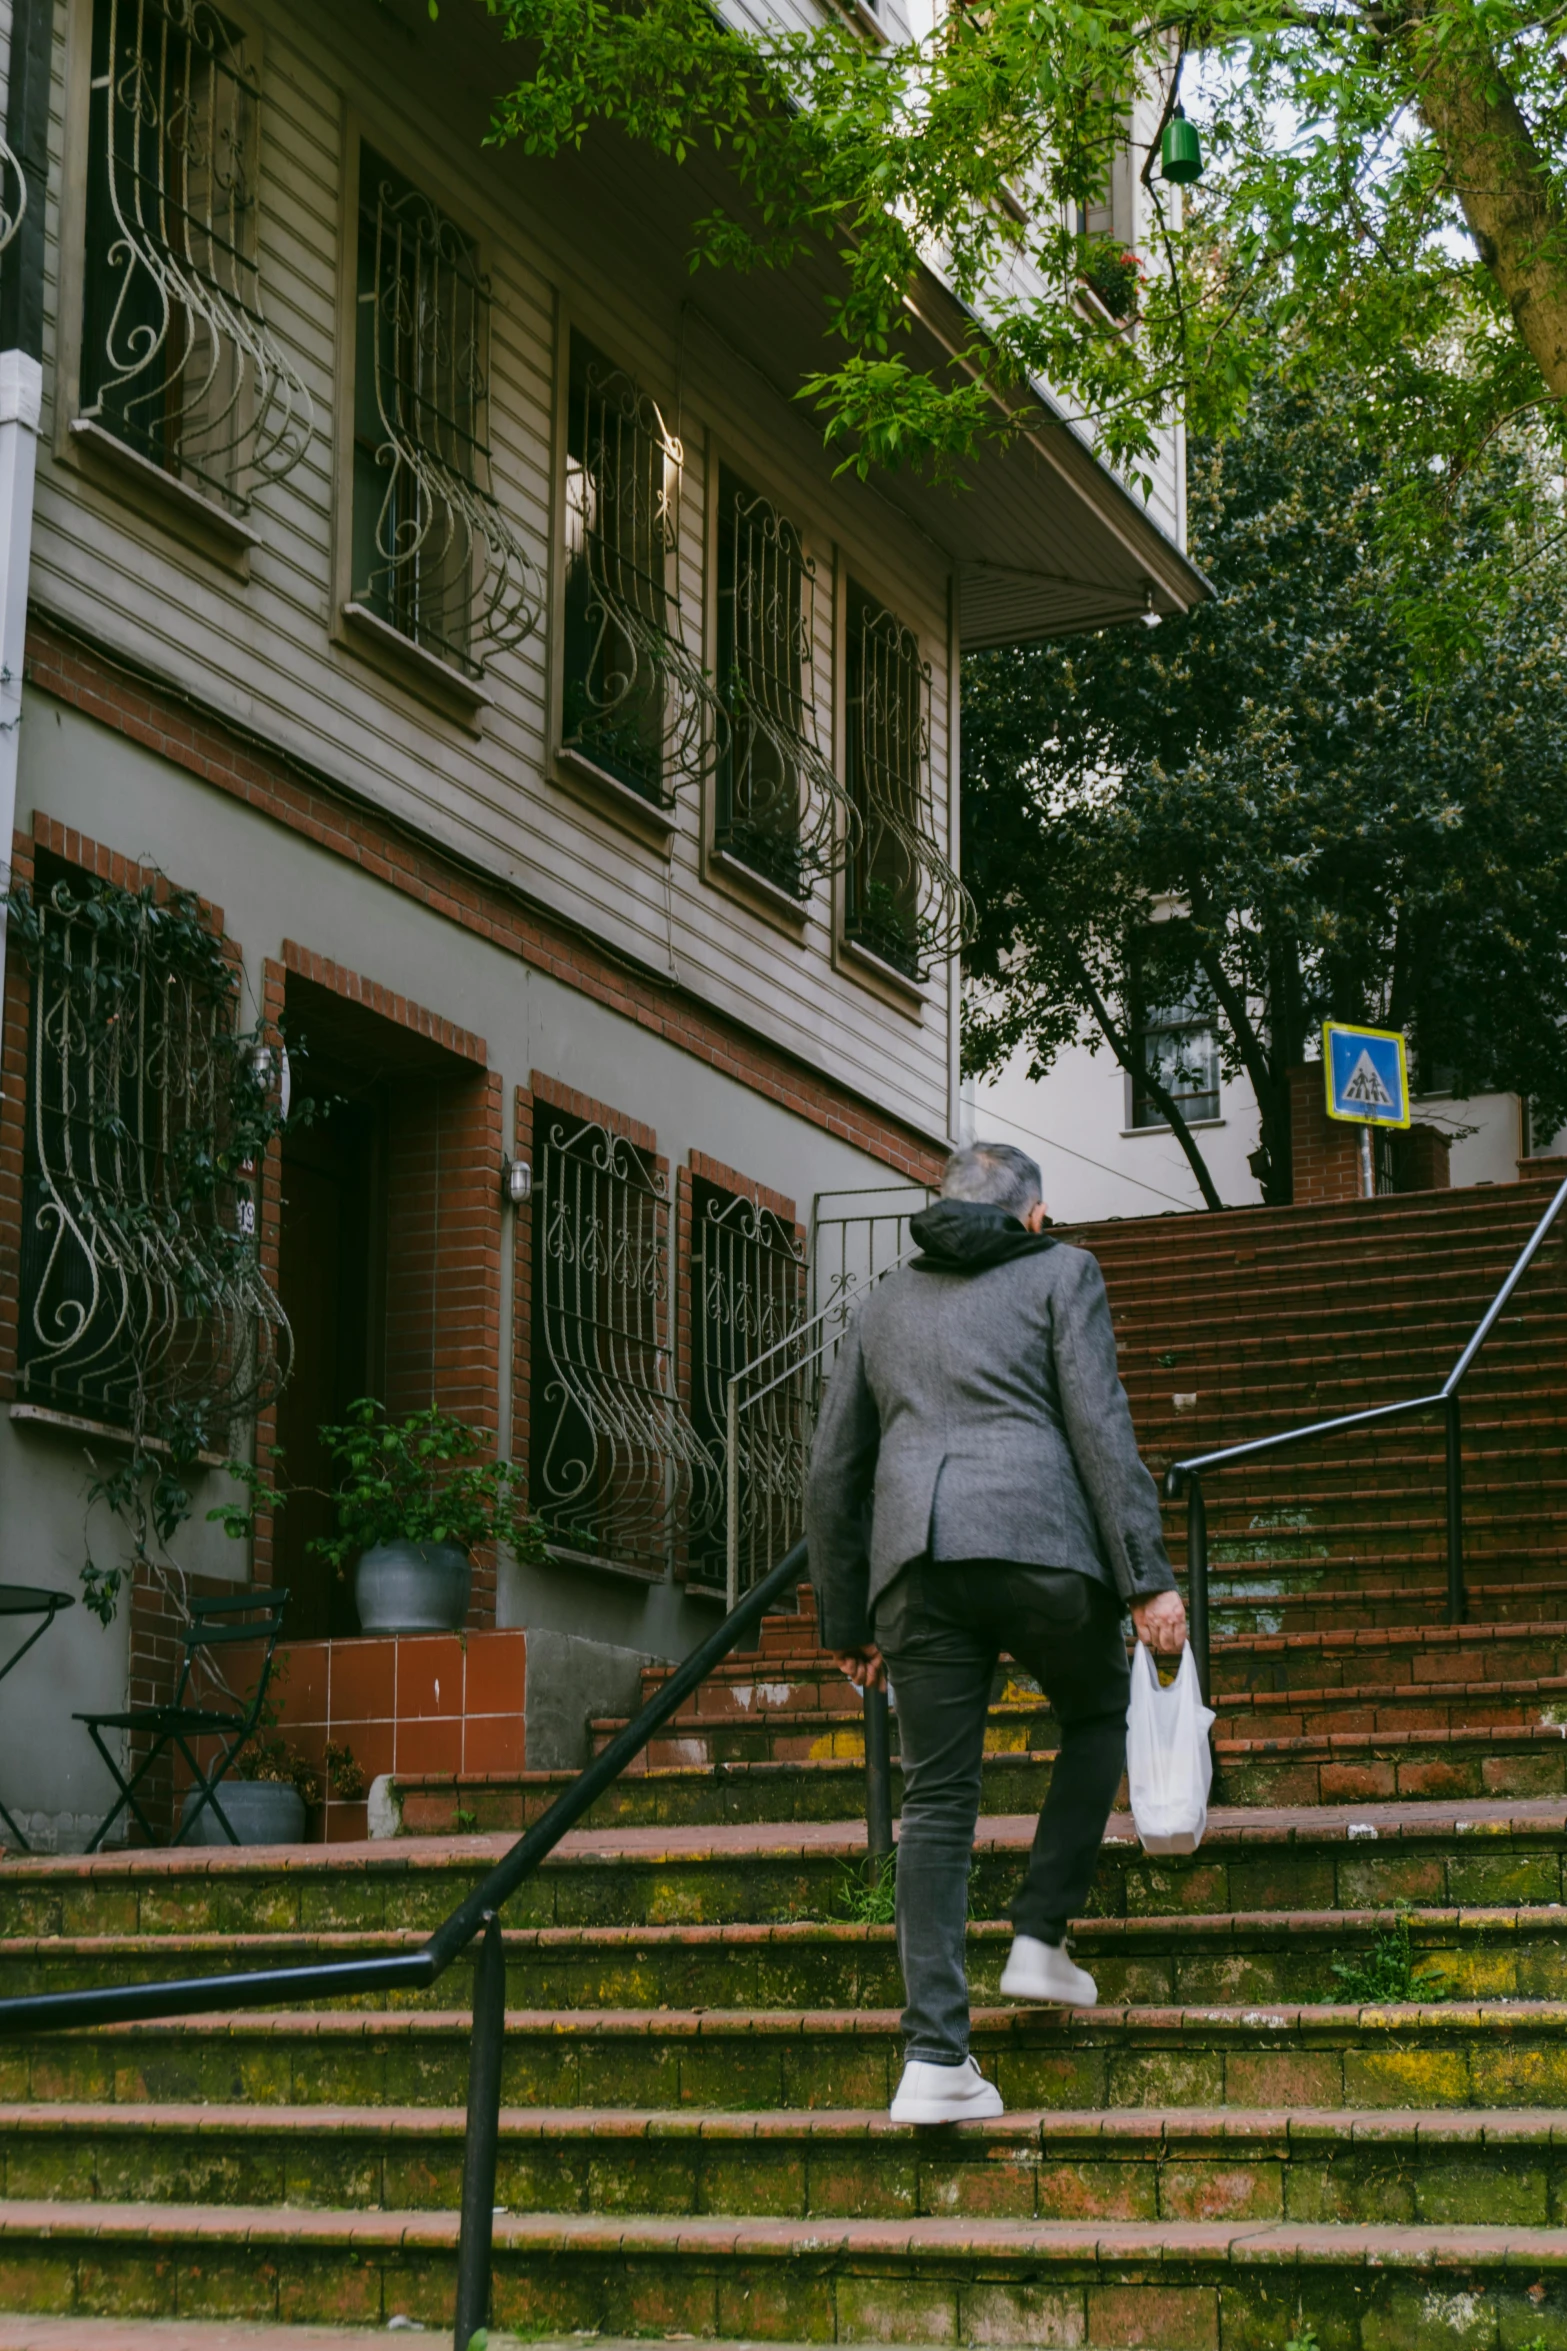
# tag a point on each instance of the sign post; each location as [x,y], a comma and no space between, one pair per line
[1367,1075]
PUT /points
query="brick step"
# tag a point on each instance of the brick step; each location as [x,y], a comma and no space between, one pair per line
[1286,2054]
[1520,1515]
[1503,1953]
[1369,1655]
[1322,1604]
[1388,1706]
[1496,1581]
[217,2334]
[1429,1266]
[1317,1660]
[1163,2283]
[1424,1331]
[1340,1855]
[1321,1291]
[1438,1268]
[1498,1210]
[1286,1338]
[1512,1415]
[1527,1761]
[1506,2167]
[1506,1486]
[1521,1511]
[1342,1608]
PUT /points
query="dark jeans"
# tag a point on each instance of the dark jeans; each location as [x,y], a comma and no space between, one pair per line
[941,1628]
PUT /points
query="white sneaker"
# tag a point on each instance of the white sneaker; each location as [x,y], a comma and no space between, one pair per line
[1042,1971]
[945,2093]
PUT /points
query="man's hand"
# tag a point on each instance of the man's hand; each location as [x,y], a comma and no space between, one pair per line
[863,1667]
[1161,1623]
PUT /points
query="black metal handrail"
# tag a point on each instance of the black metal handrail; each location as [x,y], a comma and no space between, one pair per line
[476,1915]
[1187,1476]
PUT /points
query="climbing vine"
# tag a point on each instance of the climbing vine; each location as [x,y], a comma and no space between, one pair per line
[142,1302]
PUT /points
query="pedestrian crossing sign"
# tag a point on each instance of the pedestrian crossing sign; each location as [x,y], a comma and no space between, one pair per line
[1367,1074]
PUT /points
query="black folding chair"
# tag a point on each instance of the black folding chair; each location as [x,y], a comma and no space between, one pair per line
[255,1614]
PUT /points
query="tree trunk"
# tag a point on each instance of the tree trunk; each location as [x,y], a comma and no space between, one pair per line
[1501,178]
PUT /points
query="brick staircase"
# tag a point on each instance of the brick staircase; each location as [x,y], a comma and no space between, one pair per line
[1236,2148]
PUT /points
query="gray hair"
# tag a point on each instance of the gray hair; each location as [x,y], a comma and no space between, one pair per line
[996,1173]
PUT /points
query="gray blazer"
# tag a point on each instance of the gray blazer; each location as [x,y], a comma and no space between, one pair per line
[978,1414]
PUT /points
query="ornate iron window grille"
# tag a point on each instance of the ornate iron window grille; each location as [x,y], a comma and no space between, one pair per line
[435,555]
[177,359]
[617,1469]
[143,1303]
[781,810]
[747,1297]
[636,703]
[857,1238]
[905,903]
[11,215]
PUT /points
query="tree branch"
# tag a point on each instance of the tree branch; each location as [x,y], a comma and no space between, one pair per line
[1121,1046]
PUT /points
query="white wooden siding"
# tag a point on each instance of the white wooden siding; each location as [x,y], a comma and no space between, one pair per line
[263,653]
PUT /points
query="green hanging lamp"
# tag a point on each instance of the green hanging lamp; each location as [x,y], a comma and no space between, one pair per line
[1180,150]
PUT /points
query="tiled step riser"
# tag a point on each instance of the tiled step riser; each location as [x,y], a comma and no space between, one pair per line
[851,1969]
[1373,2060]
[1277,1871]
[1389,2177]
[761,2291]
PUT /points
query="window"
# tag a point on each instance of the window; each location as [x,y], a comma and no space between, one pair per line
[140,1286]
[904,903]
[434,555]
[635,704]
[778,800]
[747,1300]
[1176,1044]
[616,1467]
[177,360]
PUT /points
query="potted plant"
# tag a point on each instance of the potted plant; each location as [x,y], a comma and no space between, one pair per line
[265,1792]
[269,1788]
[415,1497]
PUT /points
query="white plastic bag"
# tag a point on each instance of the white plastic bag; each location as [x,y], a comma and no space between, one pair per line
[1169,1764]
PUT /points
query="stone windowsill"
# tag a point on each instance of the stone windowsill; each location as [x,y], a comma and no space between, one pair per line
[1194,1126]
[194,517]
[576,773]
[76,1425]
[739,880]
[424,673]
[561,1555]
[865,963]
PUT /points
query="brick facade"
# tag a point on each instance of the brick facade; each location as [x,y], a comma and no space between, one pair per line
[444,1206]
[1325,1152]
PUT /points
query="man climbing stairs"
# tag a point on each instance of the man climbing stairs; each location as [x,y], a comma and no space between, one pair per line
[1323,2099]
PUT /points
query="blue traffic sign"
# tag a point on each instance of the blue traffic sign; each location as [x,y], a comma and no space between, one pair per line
[1367,1075]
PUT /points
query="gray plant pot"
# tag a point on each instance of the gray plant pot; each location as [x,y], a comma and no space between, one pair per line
[261,1812]
[412,1588]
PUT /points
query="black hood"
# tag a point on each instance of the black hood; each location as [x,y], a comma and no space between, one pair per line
[969,1236]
